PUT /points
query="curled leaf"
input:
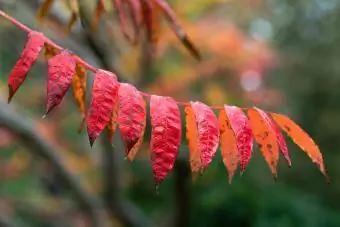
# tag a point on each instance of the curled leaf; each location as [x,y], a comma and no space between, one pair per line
[61,69]
[265,137]
[207,132]
[302,139]
[244,140]
[79,91]
[228,145]
[165,135]
[131,118]
[28,57]
[104,97]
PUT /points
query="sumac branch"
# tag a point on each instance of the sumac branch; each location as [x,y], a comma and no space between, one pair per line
[123,105]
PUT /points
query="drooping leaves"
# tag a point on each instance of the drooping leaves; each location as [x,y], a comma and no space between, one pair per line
[244,140]
[61,69]
[165,135]
[229,150]
[27,58]
[302,139]
[131,118]
[104,97]
[207,133]
[79,91]
[265,137]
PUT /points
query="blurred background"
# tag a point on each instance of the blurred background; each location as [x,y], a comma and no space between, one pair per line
[279,55]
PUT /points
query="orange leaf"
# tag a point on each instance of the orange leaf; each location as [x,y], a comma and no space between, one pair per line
[265,137]
[44,9]
[112,125]
[228,145]
[100,8]
[302,139]
[192,135]
[79,91]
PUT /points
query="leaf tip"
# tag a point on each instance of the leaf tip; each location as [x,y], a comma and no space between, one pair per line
[10,93]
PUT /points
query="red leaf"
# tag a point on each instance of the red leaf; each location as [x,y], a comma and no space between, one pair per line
[104,97]
[207,132]
[131,118]
[61,69]
[244,140]
[165,136]
[28,57]
[229,150]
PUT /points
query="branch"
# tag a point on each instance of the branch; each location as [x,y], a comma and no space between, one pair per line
[38,146]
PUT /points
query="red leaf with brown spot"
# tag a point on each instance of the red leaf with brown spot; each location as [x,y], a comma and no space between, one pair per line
[131,118]
[104,97]
[28,57]
[244,140]
[207,132]
[165,135]
[61,69]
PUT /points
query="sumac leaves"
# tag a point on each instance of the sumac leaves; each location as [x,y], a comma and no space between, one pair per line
[241,128]
[61,69]
[104,97]
[265,137]
[203,140]
[302,139]
[28,57]
[131,118]
[79,90]
[229,149]
[165,135]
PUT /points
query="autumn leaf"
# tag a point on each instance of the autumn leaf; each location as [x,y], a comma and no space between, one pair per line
[229,150]
[244,140]
[131,118]
[192,135]
[79,91]
[44,9]
[104,97]
[100,8]
[165,135]
[207,134]
[50,51]
[302,139]
[112,125]
[265,137]
[28,57]
[61,69]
